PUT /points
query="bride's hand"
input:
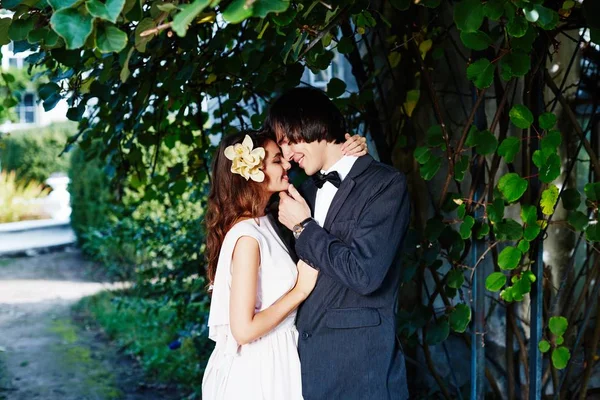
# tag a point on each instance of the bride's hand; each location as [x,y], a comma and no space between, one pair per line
[307,278]
[355,145]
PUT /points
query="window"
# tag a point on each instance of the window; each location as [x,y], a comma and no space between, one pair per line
[26,109]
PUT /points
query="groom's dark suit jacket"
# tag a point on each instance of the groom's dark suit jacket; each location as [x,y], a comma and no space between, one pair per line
[348,348]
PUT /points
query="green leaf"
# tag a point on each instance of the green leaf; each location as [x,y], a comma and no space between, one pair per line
[559,340]
[571,198]
[483,230]
[455,279]
[430,168]
[531,15]
[494,9]
[544,346]
[48,89]
[523,245]
[20,28]
[124,75]
[394,58]
[495,281]
[460,317]
[592,232]
[434,228]
[525,43]
[461,211]
[551,142]
[4,27]
[422,154]
[578,220]
[558,325]
[167,7]
[517,27]
[507,294]
[548,18]
[516,63]
[468,15]
[108,11]
[486,142]
[560,357]
[438,332]
[141,42]
[264,7]
[401,5]
[335,88]
[495,211]
[529,275]
[435,137]
[345,45]
[531,232]
[481,73]
[549,199]
[550,170]
[460,168]
[51,101]
[509,148]
[73,25]
[520,116]
[110,39]
[430,3]
[466,226]
[60,4]
[521,287]
[183,19]
[512,187]
[595,34]
[508,229]
[509,258]
[592,191]
[547,120]
[528,214]
[476,40]
[538,158]
[591,10]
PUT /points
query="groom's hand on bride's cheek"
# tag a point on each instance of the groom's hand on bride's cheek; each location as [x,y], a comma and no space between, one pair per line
[293,209]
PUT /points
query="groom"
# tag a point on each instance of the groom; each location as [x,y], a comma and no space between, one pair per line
[360,214]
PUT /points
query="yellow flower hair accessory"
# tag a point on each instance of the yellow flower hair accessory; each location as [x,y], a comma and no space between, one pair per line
[245,160]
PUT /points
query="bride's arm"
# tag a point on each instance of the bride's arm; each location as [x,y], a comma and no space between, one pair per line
[247,326]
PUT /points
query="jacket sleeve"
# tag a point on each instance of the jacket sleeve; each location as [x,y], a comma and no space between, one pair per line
[363,263]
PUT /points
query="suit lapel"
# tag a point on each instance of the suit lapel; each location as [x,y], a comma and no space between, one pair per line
[346,187]
[338,201]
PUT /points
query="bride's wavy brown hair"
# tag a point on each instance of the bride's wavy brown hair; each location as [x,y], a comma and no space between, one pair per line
[231,197]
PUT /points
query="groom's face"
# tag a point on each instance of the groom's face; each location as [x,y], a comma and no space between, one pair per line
[309,156]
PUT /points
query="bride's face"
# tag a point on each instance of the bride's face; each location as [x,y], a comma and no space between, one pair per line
[275,168]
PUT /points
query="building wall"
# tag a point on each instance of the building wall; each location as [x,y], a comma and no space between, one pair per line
[30,110]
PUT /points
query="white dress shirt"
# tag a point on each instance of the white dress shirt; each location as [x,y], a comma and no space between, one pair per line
[326,194]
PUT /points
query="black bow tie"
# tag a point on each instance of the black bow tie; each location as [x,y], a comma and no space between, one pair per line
[332,177]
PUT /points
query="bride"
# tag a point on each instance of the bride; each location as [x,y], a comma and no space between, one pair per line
[256,286]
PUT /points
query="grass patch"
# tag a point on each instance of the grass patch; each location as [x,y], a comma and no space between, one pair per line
[145,329]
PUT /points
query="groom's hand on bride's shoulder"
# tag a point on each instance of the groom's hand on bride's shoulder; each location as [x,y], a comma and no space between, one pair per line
[293,209]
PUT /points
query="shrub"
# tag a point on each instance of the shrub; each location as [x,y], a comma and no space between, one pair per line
[90,194]
[34,153]
[18,199]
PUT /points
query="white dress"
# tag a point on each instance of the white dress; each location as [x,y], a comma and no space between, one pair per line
[269,367]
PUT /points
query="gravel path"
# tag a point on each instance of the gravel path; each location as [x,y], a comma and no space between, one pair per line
[46,351]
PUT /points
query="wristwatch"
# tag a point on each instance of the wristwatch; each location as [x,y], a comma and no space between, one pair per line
[298,228]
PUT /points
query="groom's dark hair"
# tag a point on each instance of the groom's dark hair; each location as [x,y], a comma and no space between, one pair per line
[306,114]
